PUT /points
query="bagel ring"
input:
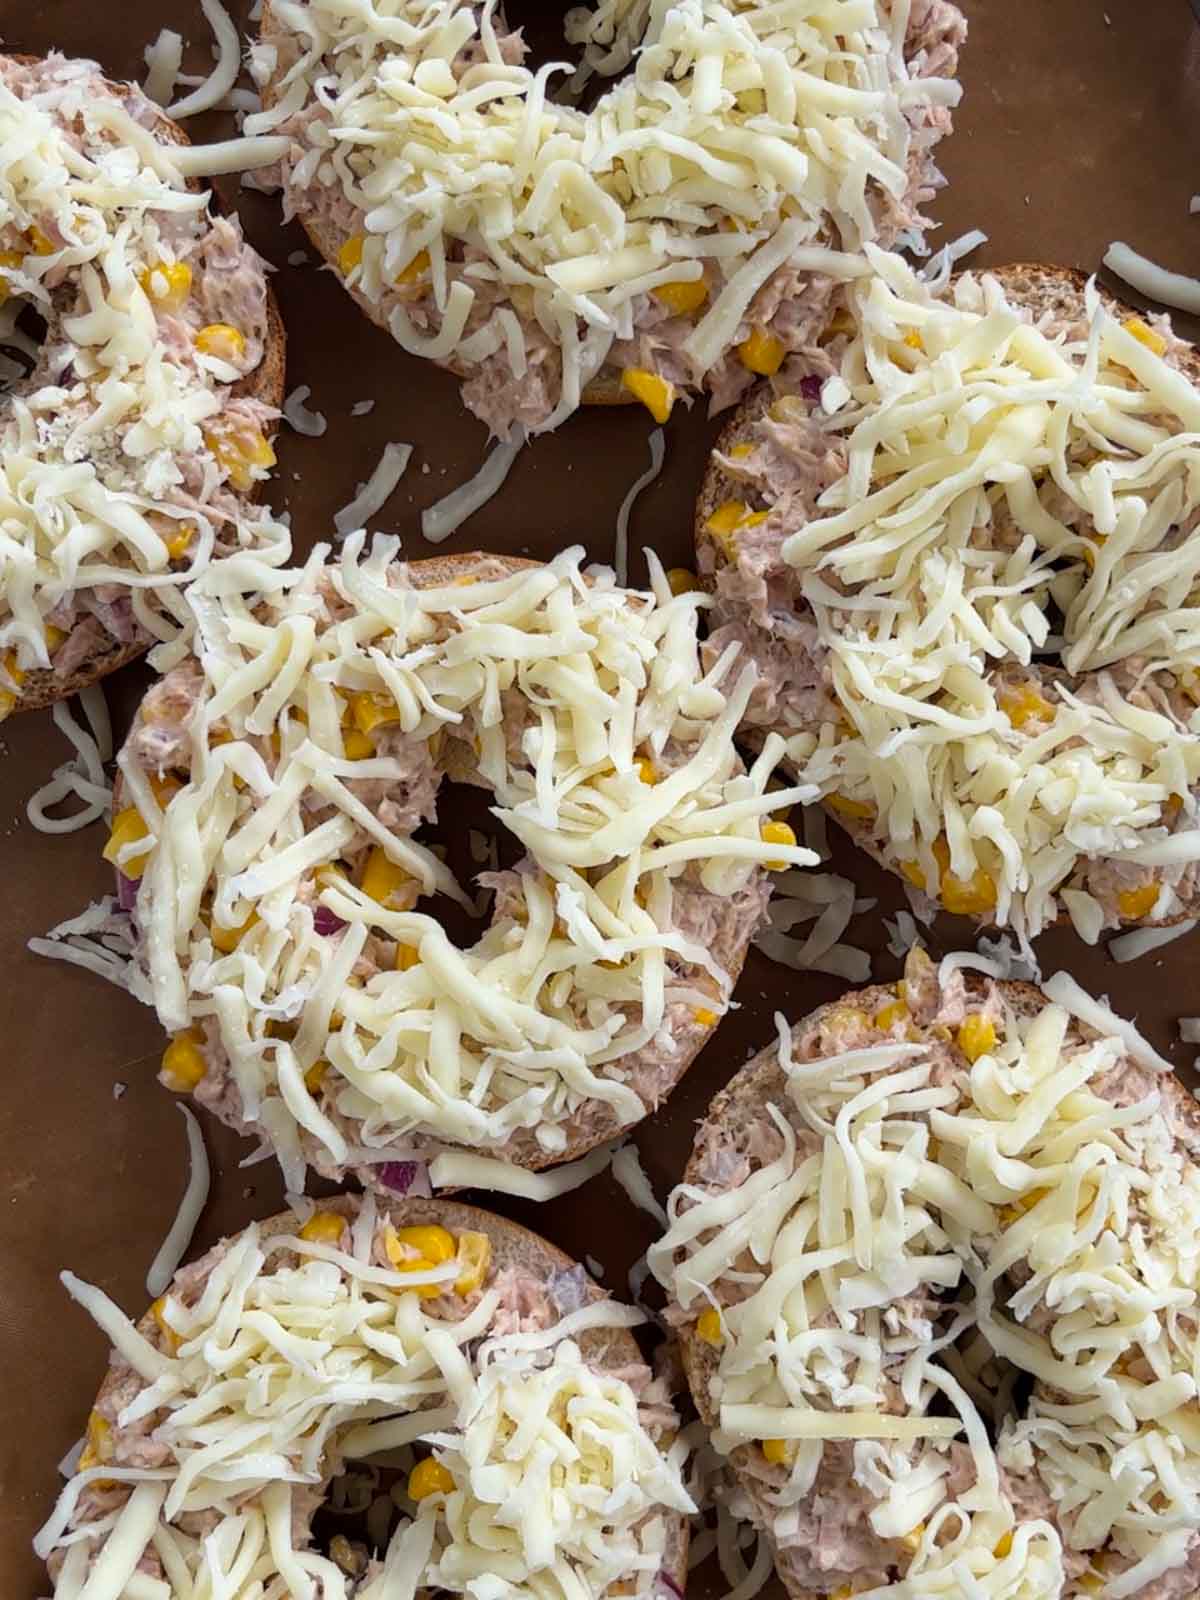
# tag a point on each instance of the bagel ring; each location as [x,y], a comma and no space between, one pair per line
[311,1001]
[129,447]
[212,1443]
[983,646]
[676,237]
[924,1193]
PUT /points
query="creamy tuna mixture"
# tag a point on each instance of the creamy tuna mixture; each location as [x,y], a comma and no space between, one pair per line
[680,236]
[925,1168]
[126,443]
[984,650]
[314,1000]
[282,1355]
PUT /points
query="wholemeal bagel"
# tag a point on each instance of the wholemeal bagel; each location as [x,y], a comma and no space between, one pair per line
[993,684]
[137,436]
[416,1333]
[552,256]
[312,1003]
[925,1199]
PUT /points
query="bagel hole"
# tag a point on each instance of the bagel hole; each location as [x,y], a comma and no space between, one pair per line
[355,1522]
[21,339]
[465,829]
[543,30]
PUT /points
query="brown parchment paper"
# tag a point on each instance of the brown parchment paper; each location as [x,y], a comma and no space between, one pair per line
[1077,127]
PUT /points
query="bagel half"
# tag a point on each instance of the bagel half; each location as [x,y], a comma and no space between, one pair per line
[43,688]
[1044,291]
[653,1073]
[612,1349]
[739,1112]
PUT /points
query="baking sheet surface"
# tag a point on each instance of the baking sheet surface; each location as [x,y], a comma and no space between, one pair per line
[1078,126]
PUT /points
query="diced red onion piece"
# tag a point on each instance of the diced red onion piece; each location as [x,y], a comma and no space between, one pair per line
[127,892]
[325,922]
[668,1582]
[810,387]
[405,1177]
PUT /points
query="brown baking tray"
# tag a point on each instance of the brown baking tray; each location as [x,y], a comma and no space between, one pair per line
[1077,127]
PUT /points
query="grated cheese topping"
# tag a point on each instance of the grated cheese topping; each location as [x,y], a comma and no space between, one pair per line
[122,453]
[280,882]
[998,474]
[1047,1176]
[278,1357]
[486,216]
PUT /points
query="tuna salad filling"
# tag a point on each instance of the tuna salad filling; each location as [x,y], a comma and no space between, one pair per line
[318,1002]
[132,431]
[701,285]
[971,701]
[420,1347]
[859,1260]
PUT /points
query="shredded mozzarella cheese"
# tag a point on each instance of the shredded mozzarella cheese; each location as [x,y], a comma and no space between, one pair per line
[745,140]
[374,494]
[195,1197]
[447,515]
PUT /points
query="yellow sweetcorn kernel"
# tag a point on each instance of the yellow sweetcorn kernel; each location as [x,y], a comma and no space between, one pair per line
[705,1017]
[730,514]
[315,1076]
[407,957]
[647,771]
[54,636]
[1144,334]
[372,710]
[708,1327]
[1138,902]
[357,745]
[239,450]
[1023,1203]
[183,1065]
[39,242]
[1022,703]
[680,580]
[1002,1546]
[429,1477]
[912,871]
[976,1036]
[741,451]
[777,833]
[98,1444]
[127,828]
[779,1452]
[11,259]
[889,1017]
[912,1539]
[381,877]
[167,283]
[914,340]
[399,1246]
[350,255]
[227,939]
[416,268]
[435,1243]
[222,340]
[474,1256]
[323,1227]
[683,297]
[844,1593]
[856,810]
[170,1337]
[655,393]
[179,543]
[16,674]
[964,897]
[761,353]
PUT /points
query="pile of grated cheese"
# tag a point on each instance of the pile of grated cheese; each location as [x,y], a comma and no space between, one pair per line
[1000,477]
[117,453]
[341,1016]
[745,139]
[896,1186]
[275,1372]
